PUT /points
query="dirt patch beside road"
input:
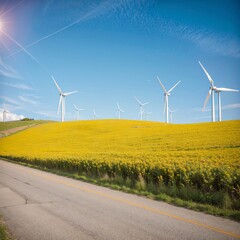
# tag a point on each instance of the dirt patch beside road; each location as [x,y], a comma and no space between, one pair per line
[7,132]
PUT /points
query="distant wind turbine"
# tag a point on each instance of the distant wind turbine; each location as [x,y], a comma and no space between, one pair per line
[141,105]
[5,113]
[147,115]
[62,99]
[171,111]
[119,110]
[217,90]
[95,116]
[77,111]
[166,95]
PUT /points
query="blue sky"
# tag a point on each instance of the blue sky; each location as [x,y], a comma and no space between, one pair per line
[112,50]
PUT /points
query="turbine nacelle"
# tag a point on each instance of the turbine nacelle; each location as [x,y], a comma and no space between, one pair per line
[213,88]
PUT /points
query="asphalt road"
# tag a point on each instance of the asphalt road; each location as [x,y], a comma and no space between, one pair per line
[40,205]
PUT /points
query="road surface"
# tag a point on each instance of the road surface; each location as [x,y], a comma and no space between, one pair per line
[39,205]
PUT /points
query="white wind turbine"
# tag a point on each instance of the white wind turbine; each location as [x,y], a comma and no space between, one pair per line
[141,105]
[213,89]
[119,110]
[62,99]
[171,113]
[95,116]
[166,95]
[5,113]
[77,111]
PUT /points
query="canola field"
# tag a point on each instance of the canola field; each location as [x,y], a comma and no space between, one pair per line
[203,156]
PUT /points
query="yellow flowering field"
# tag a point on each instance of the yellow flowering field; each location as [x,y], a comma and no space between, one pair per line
[205,156]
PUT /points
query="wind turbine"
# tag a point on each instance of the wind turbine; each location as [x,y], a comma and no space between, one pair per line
[62,99]
[147,115]
[119,110]
[5,113]
[141,105]
[213,89]
[77,111]
[95,116]
[171,113]
[166,95]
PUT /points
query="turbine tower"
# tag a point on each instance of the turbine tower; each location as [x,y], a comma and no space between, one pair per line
[141,105]
[166,95]
[77,111]
[119,110]
[213,89]
[62,99]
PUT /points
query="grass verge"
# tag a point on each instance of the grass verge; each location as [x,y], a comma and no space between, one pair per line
[4,233]
[126,187]
[14,124]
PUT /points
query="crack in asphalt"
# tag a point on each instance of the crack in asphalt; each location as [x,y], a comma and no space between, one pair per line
[28,203]
[39,188]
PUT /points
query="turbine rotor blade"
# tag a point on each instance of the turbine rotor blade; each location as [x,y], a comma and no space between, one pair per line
[59,89]
[174,86]
[69,93]
[75,107]
[206,100]
[94,113]
[227,90]
[145,103]
[164,89]
[208,76]
[60,102]
[138,100]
